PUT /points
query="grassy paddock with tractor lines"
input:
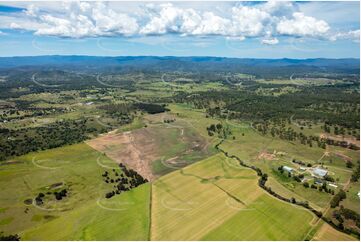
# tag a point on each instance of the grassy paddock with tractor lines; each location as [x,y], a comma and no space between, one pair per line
[191,198]
[83,213]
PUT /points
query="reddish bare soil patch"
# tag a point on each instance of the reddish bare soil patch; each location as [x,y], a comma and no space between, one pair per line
[267,156]
[342,156]
[348,139]
[138,149]
[134,149]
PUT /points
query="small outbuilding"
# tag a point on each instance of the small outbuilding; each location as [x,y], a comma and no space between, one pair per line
[319,172]
[332,185]
[287,168]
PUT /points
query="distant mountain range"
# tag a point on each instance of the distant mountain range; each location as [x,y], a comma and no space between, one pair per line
[169,63]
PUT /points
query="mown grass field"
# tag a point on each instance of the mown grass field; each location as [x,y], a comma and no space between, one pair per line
[215,199]
[80,215]
[184,206]
[265,219]
[123,217]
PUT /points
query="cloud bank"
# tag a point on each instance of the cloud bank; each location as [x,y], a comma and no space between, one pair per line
[266,20]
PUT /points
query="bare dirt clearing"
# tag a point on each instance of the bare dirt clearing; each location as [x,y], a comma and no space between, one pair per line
[266,156]
[165,143]
[125,148]
[348,139]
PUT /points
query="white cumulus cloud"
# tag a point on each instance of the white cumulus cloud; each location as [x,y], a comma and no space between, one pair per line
[212,24]
[279,8]
[171,19]
[248,21]
[353,35]
[82,19]
[266,20]
[301,25]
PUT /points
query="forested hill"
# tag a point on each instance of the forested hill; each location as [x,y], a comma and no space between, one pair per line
[259,67]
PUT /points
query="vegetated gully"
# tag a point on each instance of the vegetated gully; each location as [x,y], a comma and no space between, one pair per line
[262,183]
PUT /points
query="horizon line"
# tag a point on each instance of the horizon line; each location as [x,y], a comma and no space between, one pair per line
[175,56]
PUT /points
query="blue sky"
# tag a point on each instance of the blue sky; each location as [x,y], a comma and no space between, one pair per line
[231,29]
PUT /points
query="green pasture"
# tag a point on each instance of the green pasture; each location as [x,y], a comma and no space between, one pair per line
[123,217]
[218,187]
[77,168]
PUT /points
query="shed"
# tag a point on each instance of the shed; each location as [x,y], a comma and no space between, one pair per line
[287,168]
[320,172]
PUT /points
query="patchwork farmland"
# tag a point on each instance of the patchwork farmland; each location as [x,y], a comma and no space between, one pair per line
[216,188]
[179,155]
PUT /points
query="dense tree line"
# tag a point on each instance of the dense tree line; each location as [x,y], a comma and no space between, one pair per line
[151,108]
[124,109]
[338,198]
[11,237]
[356,173]
[123,179]
[60,133]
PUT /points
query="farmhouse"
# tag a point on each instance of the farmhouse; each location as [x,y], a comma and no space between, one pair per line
[319,172]
[287,168]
